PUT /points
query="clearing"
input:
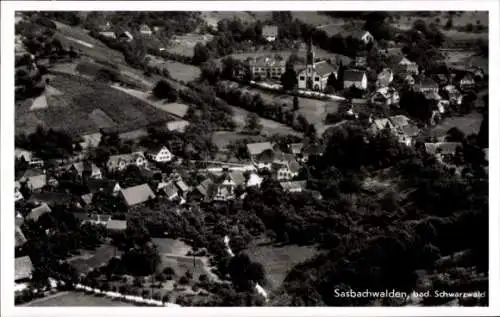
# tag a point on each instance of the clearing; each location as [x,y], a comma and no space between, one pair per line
[182,72]
[88,260]
[184,44]
[75,299]
[279,260]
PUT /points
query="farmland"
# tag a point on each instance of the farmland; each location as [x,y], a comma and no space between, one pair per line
[184,44]
[468,124]
[75,299]
[182,72]
[279,260]
[90,106]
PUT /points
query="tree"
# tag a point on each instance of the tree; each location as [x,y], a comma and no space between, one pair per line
[253,125]
[200,54]
[211,71]
[289,79]
[449,24]
[164,90]
[340,77]
[295,103]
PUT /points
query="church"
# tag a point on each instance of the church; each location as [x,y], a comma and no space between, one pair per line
[315,75]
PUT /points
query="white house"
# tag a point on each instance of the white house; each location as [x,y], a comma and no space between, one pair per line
[121,161]
[407,66]
[17,194]
[355,78]
[385,97]
[160,155]
[144,29]
[270,32]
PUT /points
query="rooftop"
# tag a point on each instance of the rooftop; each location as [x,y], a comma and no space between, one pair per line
[137,194]
[37,212]
[353,75]
[23,268]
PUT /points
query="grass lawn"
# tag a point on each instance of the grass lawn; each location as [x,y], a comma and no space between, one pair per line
[468,124]
[89,105]
[222,138]
[182,72]
[278,261]
[184,44]
[171,246]
[76,299]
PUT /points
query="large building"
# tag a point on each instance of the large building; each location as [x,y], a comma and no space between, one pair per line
[267,67]
[315,75]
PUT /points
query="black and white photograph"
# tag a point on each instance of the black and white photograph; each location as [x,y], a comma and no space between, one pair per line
[271,158]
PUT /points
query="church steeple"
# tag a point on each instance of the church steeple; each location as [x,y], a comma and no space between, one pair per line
[310,53]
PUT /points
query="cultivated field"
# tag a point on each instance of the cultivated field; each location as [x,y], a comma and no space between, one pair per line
[278,261]
[90,106]
[184,44]
[75,299]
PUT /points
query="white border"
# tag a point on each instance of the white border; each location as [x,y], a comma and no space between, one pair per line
[7,145]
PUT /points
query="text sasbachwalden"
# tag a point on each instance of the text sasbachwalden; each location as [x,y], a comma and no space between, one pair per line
[398,294]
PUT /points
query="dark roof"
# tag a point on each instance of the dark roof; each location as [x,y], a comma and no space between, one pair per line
[182,185]
[23,268]
[410,130]
[237,177]
[294,166]
[170,189]
[353,75]
[205,187]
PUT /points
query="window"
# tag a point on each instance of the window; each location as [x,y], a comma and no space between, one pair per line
[316,79]
[302,77]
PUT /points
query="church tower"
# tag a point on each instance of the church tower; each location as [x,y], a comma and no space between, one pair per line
[310,65]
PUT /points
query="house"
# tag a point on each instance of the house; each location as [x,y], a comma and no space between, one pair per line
[108,34]
[170,191]
[35,181]
[98,219]
[144,29]
[121,161]
[284,172]
[270,32]
[204,190]
[467,82]
[355,78]
[23,269]
[294,186]
[23,154]
[407,66]
[20,239]
[182,187]
[442,150]
[137,194]
[116,225]
[478,73]
[453,94]
[37,212]
[426,85]
[86,199]
[160,154]
[124,36]
[409,80]
[380,124]
[224,187]
[254,180]
[17,193]
[177,125]
[86,170]
[361,61]
[385,97]
[359,34]
[267,67]
[296,148]
[441,79]
[408,134]
[315,75]
[384,78]
[91,140]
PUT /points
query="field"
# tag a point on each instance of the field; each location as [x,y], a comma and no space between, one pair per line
[278,261]
[468,124]
[90,105]
[184,44]
[182,72]
[75,299]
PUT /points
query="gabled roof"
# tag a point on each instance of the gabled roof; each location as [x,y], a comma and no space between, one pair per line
[258,148]
[20,239]
[293,185]
[178,109]
[237,177]
[178,125]
[23,268]
[87,198]
[28,155]
[442,147]
[269,30]
[399,121]
[157,149]
[353,75]
[380,124]
[117,225]
[182,185]
[254,180]
[296,148]
[205,187]
[91,140]
[144,28]
[294,166]
[129,158]
[137,194]
[37,212]
[325,68]
[410,130]
[36,181]
[170,189]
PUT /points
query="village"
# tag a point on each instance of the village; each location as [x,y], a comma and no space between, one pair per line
[143,210]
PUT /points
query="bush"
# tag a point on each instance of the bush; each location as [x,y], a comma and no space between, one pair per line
[183,280]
